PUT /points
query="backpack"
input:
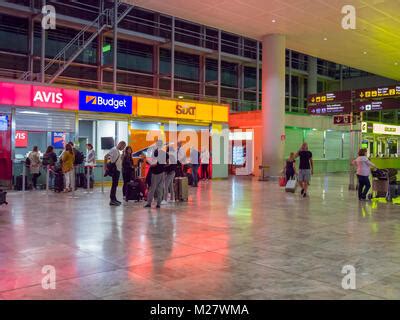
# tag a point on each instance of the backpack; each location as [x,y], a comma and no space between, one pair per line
[79,157]
[27,162]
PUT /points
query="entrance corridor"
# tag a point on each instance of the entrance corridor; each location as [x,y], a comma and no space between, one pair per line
[234,239]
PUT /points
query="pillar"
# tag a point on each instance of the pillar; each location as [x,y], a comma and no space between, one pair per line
[273,102]
[312,75]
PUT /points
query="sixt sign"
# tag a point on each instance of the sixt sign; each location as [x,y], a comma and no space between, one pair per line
[105,102]
[185,109]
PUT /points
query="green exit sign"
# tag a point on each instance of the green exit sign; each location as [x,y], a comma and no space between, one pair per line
[106,48]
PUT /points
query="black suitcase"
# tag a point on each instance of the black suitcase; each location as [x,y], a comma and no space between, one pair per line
[58,182]
[3,196]
[135,190]
[80,180]
[18,183]
[190,179]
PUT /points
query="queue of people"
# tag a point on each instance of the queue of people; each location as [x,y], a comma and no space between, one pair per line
[63,164]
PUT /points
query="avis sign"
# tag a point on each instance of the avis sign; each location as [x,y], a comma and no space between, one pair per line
[21,139]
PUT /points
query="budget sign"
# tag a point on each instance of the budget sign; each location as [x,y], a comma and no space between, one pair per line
[58,140]
[105,102]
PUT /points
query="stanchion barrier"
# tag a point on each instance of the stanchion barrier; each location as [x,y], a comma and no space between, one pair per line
[47,179]
[23,175]
[73,182]
[102,178]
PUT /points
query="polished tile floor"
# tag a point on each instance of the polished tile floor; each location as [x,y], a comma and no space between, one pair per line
[234,239]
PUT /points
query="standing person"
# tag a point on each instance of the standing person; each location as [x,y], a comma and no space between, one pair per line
[157,171]
[194,160]
[306,168]
[290,167]
[34,167]
[204,159]
[90,160]
[114,157]
[127,169]
[170,172]
[363,171]
[50,160]
[67,161]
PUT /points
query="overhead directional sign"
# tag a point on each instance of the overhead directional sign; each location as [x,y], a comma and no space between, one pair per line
[342,120]
[378,92]
[330,109]
[329,97]
[385,104]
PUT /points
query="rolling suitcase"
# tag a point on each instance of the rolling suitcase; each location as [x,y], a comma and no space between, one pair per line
[3,196]
[136,190]
[291,186]
[181,189]
[58,182]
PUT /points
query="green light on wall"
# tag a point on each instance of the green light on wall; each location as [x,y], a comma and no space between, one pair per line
[106,48]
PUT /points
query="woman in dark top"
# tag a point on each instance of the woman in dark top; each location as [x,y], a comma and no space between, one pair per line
[50,160]
[127,168]
[290,168]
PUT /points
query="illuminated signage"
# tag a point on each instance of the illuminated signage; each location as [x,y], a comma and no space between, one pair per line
[21,139]
[379,92]
[342,120]
[385,104]
[329,109]
[105,102]
[27,95]
[329,97]
[173,109]
[241,135]
[379,128]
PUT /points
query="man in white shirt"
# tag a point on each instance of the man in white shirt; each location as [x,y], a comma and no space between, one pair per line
[205,160]
[114,157]
[363,171]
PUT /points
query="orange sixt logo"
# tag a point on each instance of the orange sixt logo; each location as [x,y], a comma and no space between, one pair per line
[185,110]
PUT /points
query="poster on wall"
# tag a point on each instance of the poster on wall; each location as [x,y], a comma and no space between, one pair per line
[21,139]
[3,123]
[58,139]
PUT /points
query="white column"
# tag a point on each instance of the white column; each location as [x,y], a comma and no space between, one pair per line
[273,102]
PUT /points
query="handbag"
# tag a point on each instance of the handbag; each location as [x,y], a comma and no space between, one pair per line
[282,181]
[111,168]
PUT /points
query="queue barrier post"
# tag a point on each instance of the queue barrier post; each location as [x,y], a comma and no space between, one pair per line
[47,179]
[23,175]
[102,178]
[73,181]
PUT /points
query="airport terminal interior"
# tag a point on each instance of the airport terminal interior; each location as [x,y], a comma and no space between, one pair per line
[199,150]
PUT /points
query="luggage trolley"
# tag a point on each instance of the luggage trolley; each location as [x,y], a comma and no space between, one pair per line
[381,183]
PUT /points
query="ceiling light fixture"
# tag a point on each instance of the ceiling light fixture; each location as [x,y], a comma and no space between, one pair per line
[325,39]
[273,20]
[396,63]
[365,52]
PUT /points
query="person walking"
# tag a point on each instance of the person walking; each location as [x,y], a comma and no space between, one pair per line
[114,170]
[194,161]
[127,169]
[157,171]
[50,160]
[290,167]
[364,166]
[306,168]
[67,160]
[170,171]
[34,166]
[205,159]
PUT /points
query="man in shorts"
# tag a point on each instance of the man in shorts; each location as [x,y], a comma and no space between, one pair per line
[306,168]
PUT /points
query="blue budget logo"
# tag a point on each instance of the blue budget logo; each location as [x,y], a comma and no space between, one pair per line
[105,102]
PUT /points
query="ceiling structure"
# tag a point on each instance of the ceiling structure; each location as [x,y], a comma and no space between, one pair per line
[313,27]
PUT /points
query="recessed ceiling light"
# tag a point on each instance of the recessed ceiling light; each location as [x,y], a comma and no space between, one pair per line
[325,39]
[396,63]
[180,97]
[273,20]
[365,52]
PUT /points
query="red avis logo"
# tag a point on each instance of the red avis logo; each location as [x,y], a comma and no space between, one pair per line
[185,110]
[48,97]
